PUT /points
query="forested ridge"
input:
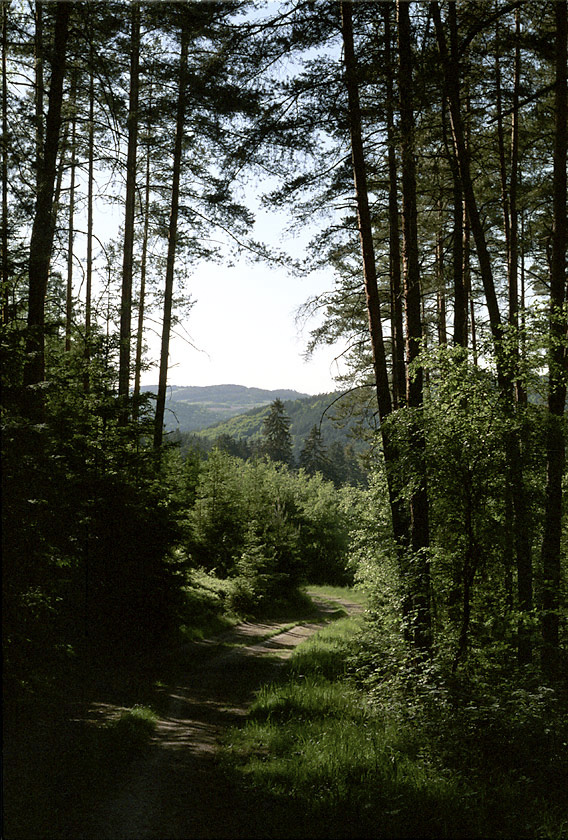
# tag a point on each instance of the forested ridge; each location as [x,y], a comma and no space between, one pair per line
[424,144]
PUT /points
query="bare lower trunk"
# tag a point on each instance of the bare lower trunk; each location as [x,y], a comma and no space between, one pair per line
[71,231]
[398,364]
[172,238]
[129,215]
[41,242]
[89,267]
[142,291]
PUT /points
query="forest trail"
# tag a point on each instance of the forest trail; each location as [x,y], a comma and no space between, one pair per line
[177,788]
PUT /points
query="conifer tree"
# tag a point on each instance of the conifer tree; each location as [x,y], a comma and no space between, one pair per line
[313,456]
[276,437]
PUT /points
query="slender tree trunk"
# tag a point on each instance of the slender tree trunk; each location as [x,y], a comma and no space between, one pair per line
[71,231]
[470,317]
[513,263]
[411,263]
[452,90]
[364,216]
[43,224]
[557,362]
[440,278]
[142,291]
[419,513]
[460,291]
[90,189]
[399,519]
[129,215]
[172,238]
[39,89]
[398,364]
[509,190]
[5,271]
[501,139]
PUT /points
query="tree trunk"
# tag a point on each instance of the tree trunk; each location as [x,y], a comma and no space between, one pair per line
[509,189]
[557,360]
[71,231]
[41,242]
[172,238]
[129,215]
[142,290]
[90,185]
[399,519]
[419,512]
[398,364]
[460,291]
[440,278]
[39,89]
[452,91]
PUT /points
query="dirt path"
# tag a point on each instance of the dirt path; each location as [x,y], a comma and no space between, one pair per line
[177,789]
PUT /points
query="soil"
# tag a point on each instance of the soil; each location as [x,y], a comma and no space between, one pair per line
[177,788]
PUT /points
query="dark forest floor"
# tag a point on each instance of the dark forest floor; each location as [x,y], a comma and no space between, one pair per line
[72,772]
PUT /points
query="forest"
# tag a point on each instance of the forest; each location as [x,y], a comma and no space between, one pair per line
[424,145]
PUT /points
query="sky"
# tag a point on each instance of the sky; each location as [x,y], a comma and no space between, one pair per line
[244,332]
[243,324]
[243,328]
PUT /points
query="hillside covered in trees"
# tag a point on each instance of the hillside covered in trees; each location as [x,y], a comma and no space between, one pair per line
[322,411]
[425,144]
[193,407]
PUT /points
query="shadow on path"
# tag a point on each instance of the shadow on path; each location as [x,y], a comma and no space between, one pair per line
[177,789]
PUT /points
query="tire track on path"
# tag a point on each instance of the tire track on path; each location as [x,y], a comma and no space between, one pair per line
[177,789]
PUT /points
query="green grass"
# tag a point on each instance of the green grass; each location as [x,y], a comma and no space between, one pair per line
[132,729]
[325,760]
[332,593]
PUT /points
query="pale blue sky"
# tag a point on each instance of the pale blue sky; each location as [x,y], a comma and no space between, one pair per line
[244,328]
[243,324]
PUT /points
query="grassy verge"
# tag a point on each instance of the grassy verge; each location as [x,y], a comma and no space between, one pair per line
[322,762]
[334,594]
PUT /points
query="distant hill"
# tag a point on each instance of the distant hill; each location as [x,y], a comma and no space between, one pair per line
[304,414]
[190,408]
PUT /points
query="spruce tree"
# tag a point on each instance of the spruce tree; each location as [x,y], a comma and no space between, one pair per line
[277,440]
[313,457]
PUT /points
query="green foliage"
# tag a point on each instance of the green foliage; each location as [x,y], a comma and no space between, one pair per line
[276,437]
[266,527]
[87,526]
[130,732]
[242,435]
[313,457]
[495,730]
